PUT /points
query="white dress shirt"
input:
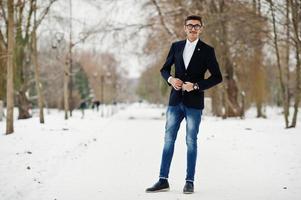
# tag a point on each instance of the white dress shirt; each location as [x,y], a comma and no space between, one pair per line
[187,53]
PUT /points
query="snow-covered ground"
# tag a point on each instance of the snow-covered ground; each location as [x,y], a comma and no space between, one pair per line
[118,157]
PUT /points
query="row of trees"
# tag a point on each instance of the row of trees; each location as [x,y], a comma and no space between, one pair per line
[258,48]
[18,48]
[52,73]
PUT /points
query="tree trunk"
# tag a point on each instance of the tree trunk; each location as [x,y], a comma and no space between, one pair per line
[3,68]
[10,67]
[233,108]
[70,61]
[21,84]
[217,106]
[296,10]
[23,29]
[258,72]
[297,89]
[283,90]
[1,110]
[287,54]
[37,67]
[224,103]
[66,91]
[23,104]
[232,91]
[20,65]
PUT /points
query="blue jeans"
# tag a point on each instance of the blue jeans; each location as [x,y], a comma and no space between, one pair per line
[175,115]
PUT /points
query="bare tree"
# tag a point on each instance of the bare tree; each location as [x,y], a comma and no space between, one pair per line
[280,70]
[36,65]
[296,16]
[10,66]
[23,27]
[287,54]
[231,85]
[3,67]
[258,73]
[3,53]
[66,83]
[70,62]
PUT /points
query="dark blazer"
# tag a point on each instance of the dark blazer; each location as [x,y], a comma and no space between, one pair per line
[203,59]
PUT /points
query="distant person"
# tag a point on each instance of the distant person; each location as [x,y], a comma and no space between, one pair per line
[83,106]
[191,58]
[95,104]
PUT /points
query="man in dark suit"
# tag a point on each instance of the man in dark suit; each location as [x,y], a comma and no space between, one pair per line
[191,58]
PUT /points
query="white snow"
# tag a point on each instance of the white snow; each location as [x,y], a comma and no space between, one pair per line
[118,157]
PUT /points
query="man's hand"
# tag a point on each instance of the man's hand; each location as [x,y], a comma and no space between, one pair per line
[187,86]
[176,83]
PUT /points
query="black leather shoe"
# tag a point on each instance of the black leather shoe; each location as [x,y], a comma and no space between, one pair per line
[188,188]
[161,186]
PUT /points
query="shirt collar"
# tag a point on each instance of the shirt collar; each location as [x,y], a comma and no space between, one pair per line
[192,43]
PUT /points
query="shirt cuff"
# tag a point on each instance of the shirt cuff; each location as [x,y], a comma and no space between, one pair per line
[168,80]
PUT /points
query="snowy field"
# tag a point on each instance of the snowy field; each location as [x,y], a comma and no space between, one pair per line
[118,157]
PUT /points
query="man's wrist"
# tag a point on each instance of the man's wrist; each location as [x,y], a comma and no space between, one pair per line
[196,86]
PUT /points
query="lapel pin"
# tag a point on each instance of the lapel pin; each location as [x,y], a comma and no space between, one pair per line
[198,49]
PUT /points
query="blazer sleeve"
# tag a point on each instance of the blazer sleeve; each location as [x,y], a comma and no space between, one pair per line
[165,70]
[215,73]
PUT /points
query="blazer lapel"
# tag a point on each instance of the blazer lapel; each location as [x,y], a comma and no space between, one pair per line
[182,46]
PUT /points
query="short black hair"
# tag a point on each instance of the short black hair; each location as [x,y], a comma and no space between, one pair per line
[194,17]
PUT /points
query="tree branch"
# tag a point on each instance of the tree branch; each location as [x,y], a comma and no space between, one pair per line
[29,19]
[3,12]
[44,13]
[120,28]
[162,21]
[2,39]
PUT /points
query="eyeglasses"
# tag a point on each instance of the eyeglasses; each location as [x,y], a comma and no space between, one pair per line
[196,26]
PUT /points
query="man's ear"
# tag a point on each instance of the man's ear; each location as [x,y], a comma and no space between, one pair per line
[202,29]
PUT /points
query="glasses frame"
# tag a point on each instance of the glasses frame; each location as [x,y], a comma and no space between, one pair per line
[193,26]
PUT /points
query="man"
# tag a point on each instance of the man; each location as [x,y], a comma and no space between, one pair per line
[192,58]
[82,107]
